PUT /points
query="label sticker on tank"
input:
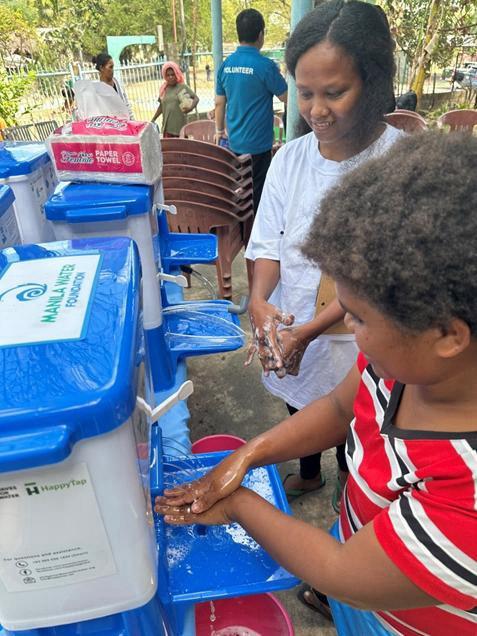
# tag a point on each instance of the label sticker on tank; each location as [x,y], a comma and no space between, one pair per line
[47,299]
[52,531]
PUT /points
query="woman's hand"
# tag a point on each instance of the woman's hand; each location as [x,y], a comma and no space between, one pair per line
[265,318]
[220,482]
[218,514]
[292,346]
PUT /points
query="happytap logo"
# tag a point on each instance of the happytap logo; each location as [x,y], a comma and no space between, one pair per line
[29,291]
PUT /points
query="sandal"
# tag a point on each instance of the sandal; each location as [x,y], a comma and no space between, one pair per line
[315,600]
[294,493]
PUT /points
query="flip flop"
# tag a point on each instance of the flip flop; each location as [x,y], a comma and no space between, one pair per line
[315,600]
[294,493]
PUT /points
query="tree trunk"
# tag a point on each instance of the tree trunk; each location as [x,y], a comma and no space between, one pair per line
[429,42]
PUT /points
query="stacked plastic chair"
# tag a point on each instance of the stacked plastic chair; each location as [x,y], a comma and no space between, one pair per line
[212,190]
[407,120]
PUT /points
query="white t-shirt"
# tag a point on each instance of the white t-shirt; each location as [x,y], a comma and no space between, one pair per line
[297,180]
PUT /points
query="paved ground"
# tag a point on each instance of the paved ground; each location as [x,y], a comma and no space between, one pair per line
[230,399]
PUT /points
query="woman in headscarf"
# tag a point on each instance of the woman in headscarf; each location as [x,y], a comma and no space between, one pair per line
[176,99]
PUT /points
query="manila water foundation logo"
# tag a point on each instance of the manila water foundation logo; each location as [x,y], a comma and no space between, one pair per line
[26,291]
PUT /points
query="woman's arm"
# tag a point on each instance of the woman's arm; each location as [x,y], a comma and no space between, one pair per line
[157,113]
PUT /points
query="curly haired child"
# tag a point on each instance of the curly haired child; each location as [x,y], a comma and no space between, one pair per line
[399,237]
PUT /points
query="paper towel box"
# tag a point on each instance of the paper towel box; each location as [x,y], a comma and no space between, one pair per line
[107,149]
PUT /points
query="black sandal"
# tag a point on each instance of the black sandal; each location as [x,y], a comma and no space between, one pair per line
[315,600]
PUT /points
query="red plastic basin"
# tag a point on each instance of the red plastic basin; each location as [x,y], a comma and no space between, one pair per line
[261,615]
[213,443]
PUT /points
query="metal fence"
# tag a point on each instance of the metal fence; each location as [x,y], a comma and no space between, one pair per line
[50,97]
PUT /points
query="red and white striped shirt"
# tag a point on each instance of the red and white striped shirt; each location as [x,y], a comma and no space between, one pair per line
[420,491]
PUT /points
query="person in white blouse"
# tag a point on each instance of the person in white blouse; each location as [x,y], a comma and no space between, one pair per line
[341,57]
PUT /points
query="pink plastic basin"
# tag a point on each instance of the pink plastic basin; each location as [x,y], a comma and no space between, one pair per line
[262,614]
[213,443]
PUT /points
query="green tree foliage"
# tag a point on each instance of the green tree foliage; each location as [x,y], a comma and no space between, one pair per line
[16,33]
[430,31]
[13,86]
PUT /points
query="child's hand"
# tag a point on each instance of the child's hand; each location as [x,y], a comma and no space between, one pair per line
[265,318]
[218,514]
[203,493]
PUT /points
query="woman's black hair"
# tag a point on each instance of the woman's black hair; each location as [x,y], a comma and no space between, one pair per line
[361,30]
[100,60]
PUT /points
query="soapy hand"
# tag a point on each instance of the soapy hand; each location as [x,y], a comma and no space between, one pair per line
[292,348]
[203,493]
[175,515]
[265,319]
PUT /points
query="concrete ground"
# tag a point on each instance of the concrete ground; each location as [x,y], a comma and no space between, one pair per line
[229,398]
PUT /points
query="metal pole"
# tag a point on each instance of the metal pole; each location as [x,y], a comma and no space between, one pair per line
[217,48]
[299,8]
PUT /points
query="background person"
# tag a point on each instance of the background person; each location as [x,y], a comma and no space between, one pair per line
[400,238]
[246,84]
[176,99]
[104,64]
[341,56]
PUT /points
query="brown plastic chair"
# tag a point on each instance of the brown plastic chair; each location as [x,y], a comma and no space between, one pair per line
[179,170]
[194,217]
[209,163]
[202,130]
[205,149]
[412,113]
[463,120]
[235,195]
[405,121]
[237,210]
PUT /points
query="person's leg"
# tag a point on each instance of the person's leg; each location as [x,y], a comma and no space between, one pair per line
[310,472]
[260,165]
[342,477]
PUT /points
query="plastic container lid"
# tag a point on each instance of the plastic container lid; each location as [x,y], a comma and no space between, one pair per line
[6,198]
[68,346]
[21,159]
[94,202]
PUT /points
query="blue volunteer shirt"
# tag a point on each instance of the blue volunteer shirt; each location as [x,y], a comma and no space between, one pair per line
[249,81]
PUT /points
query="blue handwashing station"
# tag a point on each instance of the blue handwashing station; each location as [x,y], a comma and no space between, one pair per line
[94,424]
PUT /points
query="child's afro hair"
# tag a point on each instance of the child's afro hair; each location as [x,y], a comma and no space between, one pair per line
[401,231]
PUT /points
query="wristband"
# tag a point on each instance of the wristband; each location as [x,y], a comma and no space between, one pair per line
[219,132]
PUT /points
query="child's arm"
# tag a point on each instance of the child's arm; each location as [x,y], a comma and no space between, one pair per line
[358,572]
[320,425]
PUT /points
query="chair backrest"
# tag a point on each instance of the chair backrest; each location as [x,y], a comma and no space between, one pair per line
[205,149]
[209,163]
[238,210]
[45,128]
[192,218]
[179,170]
[26,132]
[411,113]
[405,121]
[202,130]
[234,195]
[464,120]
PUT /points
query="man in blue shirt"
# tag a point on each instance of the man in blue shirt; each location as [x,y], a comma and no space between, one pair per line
[246,84]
